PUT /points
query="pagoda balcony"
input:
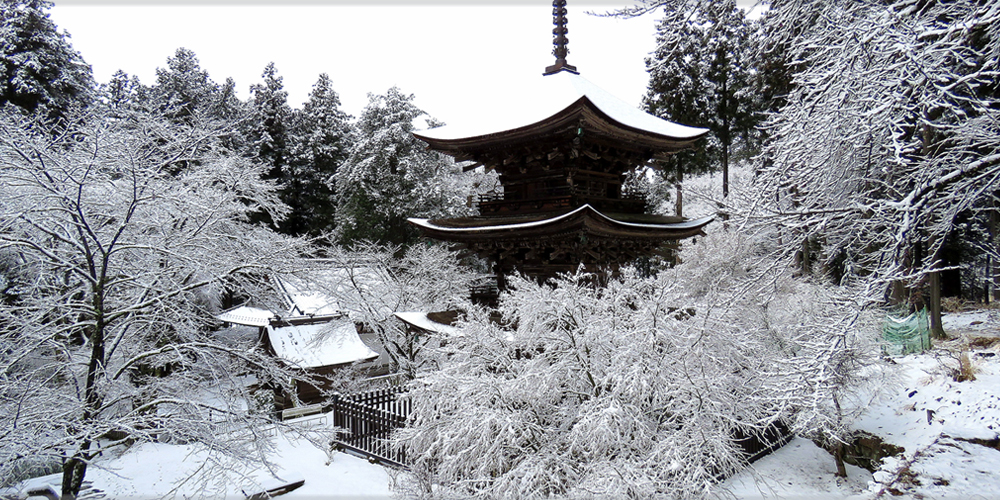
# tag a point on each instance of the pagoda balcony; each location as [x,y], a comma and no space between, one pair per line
[559,198]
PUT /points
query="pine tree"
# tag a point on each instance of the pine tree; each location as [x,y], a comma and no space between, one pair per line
[700,75]
[321,137]
[390,175]
[267,131]
[124,94]
[228,108]
[38,66]
[182,89]
[270,122]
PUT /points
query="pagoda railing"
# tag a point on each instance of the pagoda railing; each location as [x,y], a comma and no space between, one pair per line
[554,199]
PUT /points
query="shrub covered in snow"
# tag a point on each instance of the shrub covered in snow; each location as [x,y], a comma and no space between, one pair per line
[637,388]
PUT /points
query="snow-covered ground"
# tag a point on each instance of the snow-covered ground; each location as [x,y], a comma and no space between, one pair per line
[949,431]
[152,470]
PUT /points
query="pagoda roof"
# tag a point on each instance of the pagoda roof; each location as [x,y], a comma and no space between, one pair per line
[642,226]
[559,100]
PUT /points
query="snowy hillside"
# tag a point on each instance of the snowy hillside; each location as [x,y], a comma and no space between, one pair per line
[949,431]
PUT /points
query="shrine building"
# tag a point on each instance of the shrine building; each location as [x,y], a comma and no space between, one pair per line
[562,166]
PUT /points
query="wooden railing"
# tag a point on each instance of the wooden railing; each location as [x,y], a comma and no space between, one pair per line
[563,197]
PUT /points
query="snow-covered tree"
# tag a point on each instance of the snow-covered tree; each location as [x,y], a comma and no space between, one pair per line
[183,89]
[637,389]
[270,122]
[390,175]
[371,282]
[700,74]
[267,129]
[38,65]
[321,137]
[888,137]
[120,261]
[124,94]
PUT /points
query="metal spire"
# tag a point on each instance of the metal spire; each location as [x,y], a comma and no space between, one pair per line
[560,40]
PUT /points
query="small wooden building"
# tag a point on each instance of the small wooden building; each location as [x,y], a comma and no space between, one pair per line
[319,346]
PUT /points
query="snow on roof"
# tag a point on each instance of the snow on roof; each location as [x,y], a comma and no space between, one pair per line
[553,94]
[427,223]
[248,316]
[306,302]
[319,344]
[420,320]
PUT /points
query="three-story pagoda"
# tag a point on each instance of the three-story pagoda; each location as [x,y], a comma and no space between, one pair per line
[562,166]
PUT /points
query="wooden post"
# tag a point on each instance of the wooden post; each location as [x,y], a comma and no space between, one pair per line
[679,202]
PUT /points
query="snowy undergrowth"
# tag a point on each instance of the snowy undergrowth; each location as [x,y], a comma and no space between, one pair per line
[949,431]
[942,459]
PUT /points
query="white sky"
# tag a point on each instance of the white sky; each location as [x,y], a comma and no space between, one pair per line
[452,56]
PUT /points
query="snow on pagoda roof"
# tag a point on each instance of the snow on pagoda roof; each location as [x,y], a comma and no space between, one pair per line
[420,320]
[247,316]
[554,94]
[319,344]
[583,210]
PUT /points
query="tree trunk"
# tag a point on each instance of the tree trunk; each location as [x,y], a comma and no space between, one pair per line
[725,137]
[994,270]
[937,331]
[725,171]
[806,257]
[73,472]
[75,468]
[838,458]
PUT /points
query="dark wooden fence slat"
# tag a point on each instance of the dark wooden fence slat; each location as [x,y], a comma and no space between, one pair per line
[369,419]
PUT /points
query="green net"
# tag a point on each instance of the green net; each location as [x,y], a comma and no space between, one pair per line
[905,335]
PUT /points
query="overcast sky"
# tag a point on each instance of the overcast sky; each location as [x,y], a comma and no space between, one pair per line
[452,56]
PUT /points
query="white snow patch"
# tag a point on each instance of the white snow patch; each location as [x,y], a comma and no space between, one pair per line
[800,469]
[420,320]
[247,316]
[153,470]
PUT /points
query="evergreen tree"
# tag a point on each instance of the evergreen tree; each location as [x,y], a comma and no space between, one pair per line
[390,175]
[38,66]
[268,122]
[230,109]
[182,89]
[124,94]
[700,74]
[321,138]
[270,117]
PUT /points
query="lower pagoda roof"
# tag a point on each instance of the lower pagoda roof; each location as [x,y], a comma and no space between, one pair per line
[584,219]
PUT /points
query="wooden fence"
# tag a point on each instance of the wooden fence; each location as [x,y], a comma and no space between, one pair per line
[368,420]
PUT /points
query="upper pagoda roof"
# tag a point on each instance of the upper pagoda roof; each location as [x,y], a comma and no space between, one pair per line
[560,99]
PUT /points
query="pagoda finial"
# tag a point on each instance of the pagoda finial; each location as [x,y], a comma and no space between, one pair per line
[560,40]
